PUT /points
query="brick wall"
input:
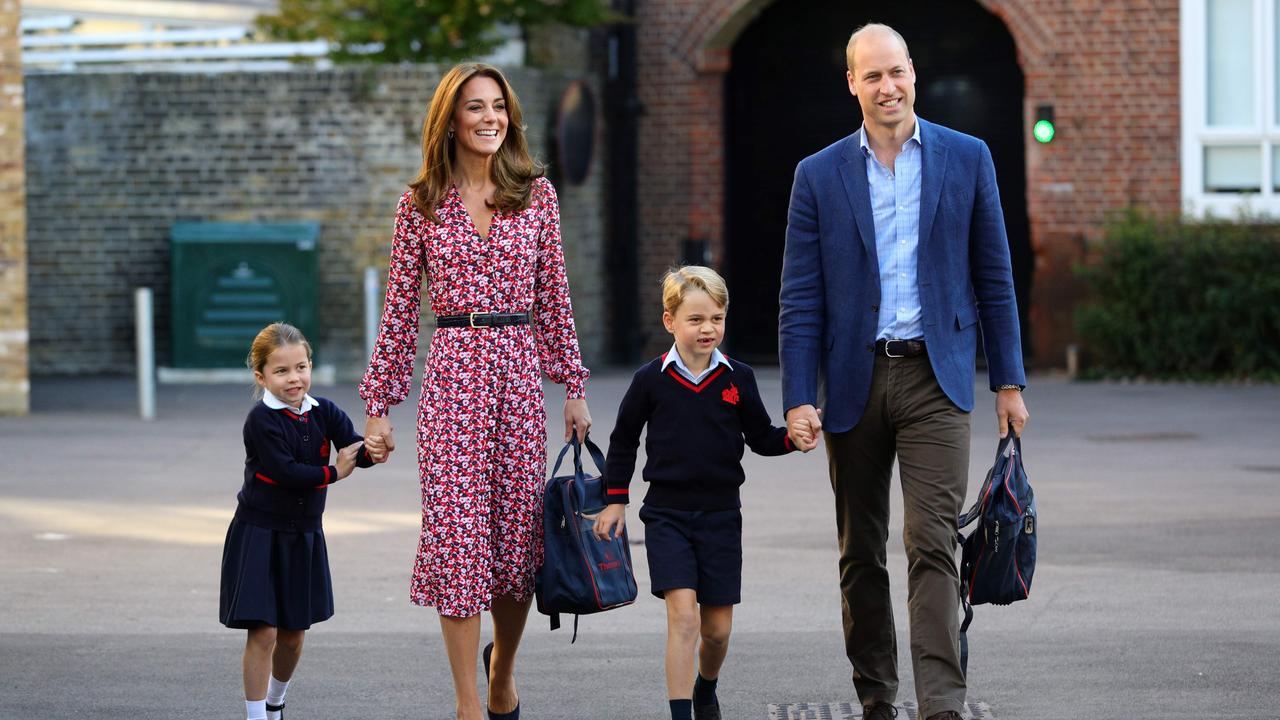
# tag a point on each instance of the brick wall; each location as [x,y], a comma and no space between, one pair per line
[14,389]
[1110,69]
[114,159]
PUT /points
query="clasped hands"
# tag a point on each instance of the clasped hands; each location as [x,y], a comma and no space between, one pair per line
[378,440]
[804,423]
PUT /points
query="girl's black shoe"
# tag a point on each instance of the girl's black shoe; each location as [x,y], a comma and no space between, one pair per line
[276,708]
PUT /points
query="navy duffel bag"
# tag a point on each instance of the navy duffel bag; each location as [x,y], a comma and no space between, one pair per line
[999,557]
[580,574]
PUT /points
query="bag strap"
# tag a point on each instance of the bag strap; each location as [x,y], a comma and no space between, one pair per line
[968,618]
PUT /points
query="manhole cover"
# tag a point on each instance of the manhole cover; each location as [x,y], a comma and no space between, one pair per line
[851,711]
[1143,437]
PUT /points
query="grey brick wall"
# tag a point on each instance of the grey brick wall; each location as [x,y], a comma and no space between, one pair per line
[14,387]
[112,160]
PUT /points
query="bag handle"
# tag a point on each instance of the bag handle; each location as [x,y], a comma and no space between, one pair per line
[596,456]
[1002,449]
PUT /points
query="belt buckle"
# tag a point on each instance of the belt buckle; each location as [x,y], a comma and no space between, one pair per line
[887,353]
[472,318]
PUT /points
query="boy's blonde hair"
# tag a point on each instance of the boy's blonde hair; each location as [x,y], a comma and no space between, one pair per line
[268,339]
[679,281]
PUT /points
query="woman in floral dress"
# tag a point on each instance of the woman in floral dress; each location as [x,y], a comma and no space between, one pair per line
[483,226]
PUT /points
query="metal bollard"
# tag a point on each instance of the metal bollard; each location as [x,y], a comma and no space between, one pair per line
[372,310]
[144,345]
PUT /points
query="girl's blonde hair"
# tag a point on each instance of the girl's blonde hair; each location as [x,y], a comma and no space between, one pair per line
[514,170]
[679,281]
[269,338]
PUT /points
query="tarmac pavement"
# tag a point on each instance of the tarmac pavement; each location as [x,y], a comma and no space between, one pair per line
[1155,593]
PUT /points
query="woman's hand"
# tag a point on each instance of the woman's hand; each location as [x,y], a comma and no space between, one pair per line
[380,427]
[576,418]
[611,522]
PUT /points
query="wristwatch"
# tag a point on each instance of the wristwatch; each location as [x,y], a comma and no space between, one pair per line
[1009,387]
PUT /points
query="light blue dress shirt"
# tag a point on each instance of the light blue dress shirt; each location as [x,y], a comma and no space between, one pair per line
[895,205]
[673,356]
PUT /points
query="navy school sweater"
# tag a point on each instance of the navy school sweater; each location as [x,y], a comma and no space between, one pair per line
[695,437]
[286,464]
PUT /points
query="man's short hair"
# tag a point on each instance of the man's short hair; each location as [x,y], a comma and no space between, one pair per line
[868,28]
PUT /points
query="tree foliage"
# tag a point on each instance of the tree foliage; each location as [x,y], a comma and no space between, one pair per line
[392,31]
[1175,298]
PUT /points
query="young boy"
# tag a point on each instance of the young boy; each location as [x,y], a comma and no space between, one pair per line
[699,406]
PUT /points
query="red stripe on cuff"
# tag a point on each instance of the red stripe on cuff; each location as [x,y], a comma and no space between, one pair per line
[616,491]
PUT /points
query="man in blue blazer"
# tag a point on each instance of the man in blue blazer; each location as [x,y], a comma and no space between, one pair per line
[896,253]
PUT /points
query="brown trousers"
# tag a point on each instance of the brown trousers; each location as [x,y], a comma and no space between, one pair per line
[909,416]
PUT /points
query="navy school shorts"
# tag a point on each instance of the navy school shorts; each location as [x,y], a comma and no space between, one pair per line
[696,549]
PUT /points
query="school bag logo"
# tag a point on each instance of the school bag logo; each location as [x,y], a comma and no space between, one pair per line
[998,557]
[730,394]
[580,574]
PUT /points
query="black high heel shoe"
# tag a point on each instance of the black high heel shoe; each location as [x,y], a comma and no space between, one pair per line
[514,714]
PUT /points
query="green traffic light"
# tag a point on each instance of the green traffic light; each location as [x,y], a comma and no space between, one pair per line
[1043,131]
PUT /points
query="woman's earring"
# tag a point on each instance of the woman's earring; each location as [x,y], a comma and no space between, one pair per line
[450,134]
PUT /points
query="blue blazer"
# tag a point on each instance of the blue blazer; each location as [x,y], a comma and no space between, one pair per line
[830,296]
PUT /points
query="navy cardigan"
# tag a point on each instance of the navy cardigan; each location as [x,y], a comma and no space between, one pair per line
[286,464]
[695,437]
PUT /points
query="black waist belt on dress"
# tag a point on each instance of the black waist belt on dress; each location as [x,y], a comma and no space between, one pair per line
[900,348]
[482,319]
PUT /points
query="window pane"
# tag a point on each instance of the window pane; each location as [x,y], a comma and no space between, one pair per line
[1230,58]
[1275,168]
[1233,168]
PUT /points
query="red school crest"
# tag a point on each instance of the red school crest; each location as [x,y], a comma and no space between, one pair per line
[730,394]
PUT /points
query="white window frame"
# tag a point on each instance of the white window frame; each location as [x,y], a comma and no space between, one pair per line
[1196,133]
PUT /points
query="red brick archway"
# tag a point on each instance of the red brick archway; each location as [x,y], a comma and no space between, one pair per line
[1085,60]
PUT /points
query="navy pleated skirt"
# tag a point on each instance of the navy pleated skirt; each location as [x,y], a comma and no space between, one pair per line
[274,577]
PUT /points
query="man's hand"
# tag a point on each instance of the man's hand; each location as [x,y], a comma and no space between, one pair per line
[1011,409]
[804,423]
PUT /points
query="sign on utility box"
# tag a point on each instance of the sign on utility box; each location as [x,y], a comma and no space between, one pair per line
[232,279]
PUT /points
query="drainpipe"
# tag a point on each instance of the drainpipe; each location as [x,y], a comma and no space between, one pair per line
[623,111]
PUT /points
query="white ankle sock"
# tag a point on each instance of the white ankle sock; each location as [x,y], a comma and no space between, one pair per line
[276,690]
[255,709]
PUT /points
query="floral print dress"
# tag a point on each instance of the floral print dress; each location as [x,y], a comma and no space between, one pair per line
[481,417]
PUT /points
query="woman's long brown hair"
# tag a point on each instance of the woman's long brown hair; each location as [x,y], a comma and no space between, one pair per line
[514,170]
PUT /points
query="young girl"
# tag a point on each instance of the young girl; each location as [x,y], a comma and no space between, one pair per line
[275,568]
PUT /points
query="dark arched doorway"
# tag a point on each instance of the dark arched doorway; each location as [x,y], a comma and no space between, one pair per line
[786,98]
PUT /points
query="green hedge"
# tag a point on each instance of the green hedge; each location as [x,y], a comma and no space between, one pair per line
[1176,298]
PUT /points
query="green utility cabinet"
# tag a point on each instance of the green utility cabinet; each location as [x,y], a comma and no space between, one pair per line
[230,280]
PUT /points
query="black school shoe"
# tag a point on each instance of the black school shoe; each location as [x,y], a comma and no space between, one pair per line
[276,708]
[707,712]
[879,711]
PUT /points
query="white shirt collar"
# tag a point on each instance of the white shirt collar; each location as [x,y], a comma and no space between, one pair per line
[276,403]
[673,356]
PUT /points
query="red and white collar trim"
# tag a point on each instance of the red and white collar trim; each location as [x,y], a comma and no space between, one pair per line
[673,356]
